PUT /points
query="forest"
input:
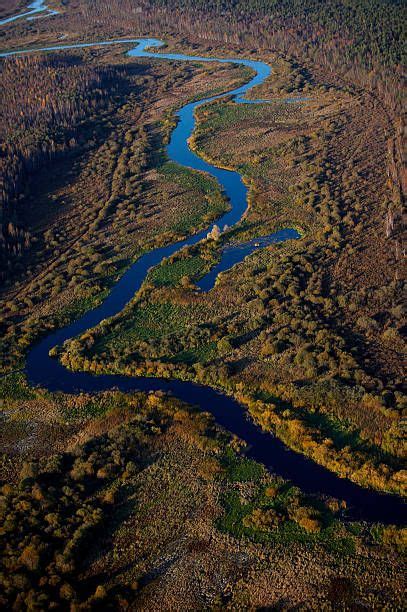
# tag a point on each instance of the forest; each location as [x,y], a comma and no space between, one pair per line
[359,51]
[40,120]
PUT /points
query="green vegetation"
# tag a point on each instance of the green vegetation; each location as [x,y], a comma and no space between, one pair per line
[239,469]
[154,321]
[209,204]
[172,273]
[14,387]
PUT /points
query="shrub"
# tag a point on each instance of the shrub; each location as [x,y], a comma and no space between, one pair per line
[271,491]
[30,557]
[263,519]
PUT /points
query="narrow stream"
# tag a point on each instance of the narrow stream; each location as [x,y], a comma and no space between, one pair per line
[234,253]
[363,504]
[37,8]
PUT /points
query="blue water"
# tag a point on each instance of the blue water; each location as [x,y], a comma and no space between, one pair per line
[234,253]
[264,447]
[38,8]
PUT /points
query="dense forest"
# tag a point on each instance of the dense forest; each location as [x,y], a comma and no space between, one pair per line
[317,23]
[359,49]
[40,117]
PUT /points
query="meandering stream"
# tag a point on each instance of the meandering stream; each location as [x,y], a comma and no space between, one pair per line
[37,8]
[41,370]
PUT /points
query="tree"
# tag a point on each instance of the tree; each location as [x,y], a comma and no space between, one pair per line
[224,346]
[214,234]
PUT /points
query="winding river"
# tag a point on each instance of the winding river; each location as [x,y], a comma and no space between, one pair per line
[363,504]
